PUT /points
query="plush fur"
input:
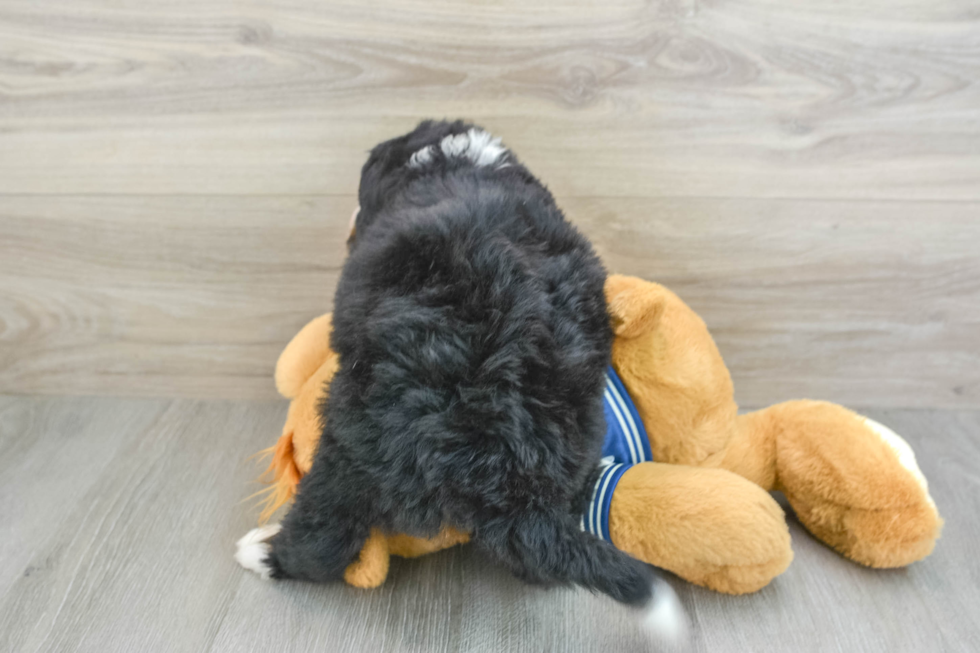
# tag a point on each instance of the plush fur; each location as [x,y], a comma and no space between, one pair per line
[703,511]
[472,337]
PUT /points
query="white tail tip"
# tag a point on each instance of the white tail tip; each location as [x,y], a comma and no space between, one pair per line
[664,617]
[253,550]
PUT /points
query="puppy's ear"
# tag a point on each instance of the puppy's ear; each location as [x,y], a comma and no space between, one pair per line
[635,305]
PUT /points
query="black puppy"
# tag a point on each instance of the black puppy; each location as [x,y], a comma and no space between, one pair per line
[471,326]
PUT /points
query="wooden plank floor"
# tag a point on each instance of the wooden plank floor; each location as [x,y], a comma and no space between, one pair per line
[118,518]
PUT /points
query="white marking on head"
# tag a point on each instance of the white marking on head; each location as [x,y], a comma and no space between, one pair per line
[253,550]
[421,157]
[455,145]
[664,617]
[478,146]
[901,448]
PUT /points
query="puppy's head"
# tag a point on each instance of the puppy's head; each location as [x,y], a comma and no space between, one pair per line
[387,169]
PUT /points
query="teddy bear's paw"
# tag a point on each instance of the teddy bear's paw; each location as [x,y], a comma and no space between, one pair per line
[742,560]
[254,548]
[709,526]
[888,537]
[854,484]
[371,567]
[906,457]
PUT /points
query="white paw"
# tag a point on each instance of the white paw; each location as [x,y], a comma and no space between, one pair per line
[253,549]
[664,618]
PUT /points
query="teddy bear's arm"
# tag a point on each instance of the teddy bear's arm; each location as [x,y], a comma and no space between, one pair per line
[303,356]
[708,526]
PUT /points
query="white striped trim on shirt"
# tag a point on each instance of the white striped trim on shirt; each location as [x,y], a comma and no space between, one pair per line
[595,520]
[590,520]
[626,422]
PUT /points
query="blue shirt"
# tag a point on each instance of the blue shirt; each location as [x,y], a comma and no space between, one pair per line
[626,444]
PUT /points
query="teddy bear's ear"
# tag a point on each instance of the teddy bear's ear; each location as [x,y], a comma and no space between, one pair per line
[635,305]
[303,356]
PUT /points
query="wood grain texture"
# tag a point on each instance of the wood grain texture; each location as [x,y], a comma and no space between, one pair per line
[175,177]
[141,561]
[866,303]
[120,515]
[706,98]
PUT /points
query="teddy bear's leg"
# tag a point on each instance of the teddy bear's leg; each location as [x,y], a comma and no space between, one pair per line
[852,482]
[708,526]
[407,546]
[371,567]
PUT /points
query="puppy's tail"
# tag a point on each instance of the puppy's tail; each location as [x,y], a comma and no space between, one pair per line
[550,548]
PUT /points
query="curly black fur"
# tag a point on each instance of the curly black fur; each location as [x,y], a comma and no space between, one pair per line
[473,336]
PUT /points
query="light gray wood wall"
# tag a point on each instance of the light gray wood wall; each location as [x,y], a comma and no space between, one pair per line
[175,178]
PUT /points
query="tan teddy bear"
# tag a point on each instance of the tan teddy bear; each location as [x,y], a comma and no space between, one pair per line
[703,509]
